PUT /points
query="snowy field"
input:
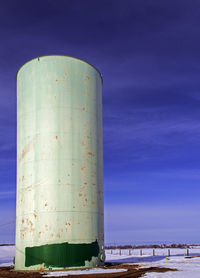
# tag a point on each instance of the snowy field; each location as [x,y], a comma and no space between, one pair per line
[82,272]
[187,267]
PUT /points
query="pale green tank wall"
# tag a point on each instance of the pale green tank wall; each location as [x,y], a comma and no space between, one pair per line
[59,217]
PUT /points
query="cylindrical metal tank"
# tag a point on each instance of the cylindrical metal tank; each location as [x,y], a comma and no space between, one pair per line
[59,211]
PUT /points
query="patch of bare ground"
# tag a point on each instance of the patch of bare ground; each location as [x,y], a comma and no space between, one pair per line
[191,257]
[133,271]
[8,272]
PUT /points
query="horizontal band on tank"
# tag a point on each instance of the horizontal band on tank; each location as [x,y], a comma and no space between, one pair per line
[59,132]
[85,240]
[60,211]
[91,135]
[55,55]
[62,159]
[22,188]
[47,108]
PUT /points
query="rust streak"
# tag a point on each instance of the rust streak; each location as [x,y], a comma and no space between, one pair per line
[82,143]
[90,153]
[58,235]
[25,151]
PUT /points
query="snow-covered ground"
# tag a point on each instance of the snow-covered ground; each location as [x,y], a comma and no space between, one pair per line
[85,271]
[187,267]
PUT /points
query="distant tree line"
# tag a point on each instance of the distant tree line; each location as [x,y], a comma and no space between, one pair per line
[7,244]
[154,246]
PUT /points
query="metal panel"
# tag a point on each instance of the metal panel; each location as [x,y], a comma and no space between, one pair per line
[59,165]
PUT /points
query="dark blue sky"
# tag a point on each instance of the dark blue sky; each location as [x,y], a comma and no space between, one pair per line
[149,55]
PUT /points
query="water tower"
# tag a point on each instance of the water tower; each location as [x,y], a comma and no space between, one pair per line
[59,211]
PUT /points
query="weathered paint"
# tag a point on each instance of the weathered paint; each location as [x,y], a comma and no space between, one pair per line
[61,254]
[59,160]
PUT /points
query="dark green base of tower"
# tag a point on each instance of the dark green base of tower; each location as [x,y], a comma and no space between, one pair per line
[61,255]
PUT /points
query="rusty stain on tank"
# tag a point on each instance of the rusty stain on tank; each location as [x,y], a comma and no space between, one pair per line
[22,236]
[82,143]
[90,153]
[25,151]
